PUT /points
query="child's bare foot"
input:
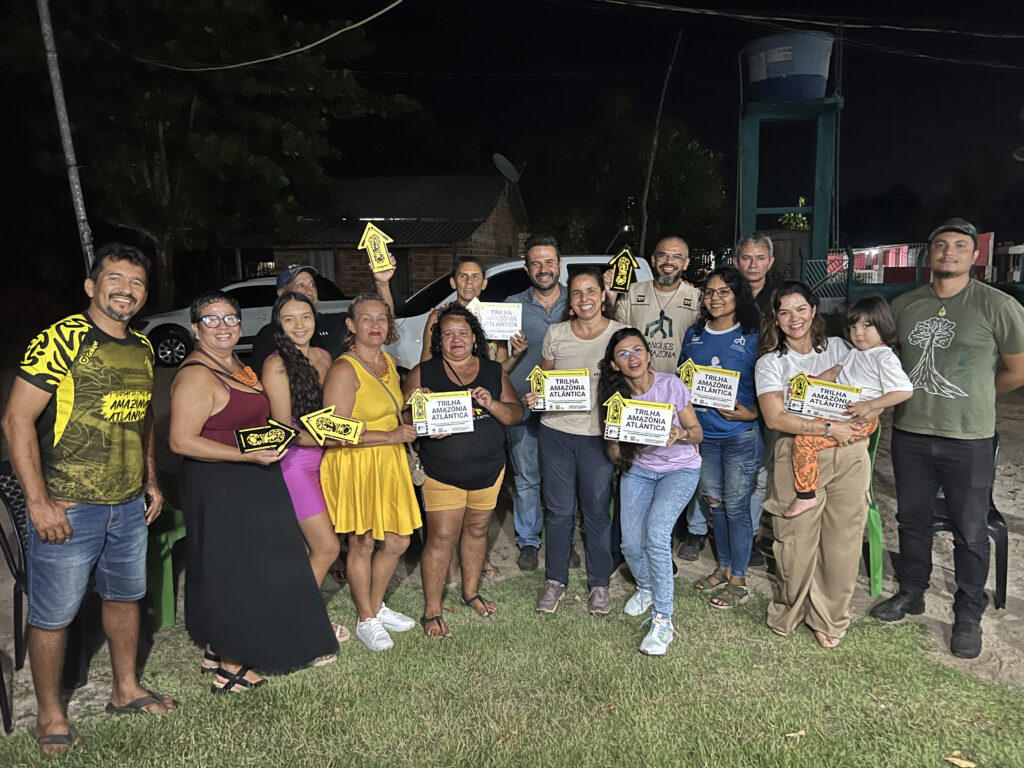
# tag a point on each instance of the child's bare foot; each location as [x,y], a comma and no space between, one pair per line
[799,506]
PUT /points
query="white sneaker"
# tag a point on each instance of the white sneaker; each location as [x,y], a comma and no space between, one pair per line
[373,635]
[639,603]
[393,620]
[657,640]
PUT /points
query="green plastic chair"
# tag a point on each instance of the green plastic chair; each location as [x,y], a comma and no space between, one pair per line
[164,532]
[876,544]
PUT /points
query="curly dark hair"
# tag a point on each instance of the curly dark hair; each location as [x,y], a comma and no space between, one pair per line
[613,381]
[303,381]
[747,313]
[457,310]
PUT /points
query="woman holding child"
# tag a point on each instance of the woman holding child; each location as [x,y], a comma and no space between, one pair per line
[816,549]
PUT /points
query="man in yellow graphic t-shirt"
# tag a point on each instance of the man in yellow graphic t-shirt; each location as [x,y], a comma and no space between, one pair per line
[80,431]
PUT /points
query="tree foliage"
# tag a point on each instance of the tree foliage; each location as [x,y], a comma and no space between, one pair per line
[186,159]
[586,187]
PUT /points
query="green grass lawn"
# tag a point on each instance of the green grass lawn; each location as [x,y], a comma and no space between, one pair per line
[521,689]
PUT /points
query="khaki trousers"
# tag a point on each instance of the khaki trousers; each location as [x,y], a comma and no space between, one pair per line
[817,553]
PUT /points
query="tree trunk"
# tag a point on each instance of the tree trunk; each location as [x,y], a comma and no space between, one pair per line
[164,273]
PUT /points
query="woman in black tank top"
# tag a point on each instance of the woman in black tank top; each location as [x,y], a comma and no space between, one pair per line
[464,471]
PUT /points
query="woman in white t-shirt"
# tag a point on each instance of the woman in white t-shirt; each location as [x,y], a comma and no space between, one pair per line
[817,552]
[572,458]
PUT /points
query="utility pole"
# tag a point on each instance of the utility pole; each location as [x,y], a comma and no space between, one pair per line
[654,147]
[57,86]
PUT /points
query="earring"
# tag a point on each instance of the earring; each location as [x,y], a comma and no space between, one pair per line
[572,312]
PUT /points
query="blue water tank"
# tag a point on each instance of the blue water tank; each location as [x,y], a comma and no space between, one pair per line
[790,66]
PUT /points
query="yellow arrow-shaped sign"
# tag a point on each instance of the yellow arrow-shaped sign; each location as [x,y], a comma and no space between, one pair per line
[625,270]
[273,434]
[418,403]
[615,405]
[536,379]
[686,371]
[375,243]
[323,425]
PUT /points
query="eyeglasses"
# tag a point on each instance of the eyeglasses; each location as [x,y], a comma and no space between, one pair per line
[214,321]
[627,353]
[722,293]
[662,256]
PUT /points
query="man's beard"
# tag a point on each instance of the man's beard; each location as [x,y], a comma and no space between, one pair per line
[120,317]
[538,286]
[669,280]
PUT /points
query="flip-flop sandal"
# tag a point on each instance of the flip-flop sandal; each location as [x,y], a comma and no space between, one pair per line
[716,581]
[487,612]
[825,641]
[136,707]
[493,573]
[233,679]
[732,595]
[60,743]
[424,620]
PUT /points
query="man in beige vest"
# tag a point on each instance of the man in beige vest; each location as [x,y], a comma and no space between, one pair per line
[662,308]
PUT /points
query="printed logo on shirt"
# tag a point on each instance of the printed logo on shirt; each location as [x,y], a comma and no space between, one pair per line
[641,298]
[930,334]
[740,341]
[125,407]
[687,303]
[660,328]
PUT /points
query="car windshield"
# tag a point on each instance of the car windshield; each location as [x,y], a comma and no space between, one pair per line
[426,299]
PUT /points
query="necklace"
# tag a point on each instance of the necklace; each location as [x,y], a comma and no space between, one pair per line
[380,371]
[661,307]
[246,376]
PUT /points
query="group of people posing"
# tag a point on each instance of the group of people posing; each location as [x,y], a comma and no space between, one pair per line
[267,522]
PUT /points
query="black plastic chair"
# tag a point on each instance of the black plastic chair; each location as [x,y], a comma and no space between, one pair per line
[13,544]
[996,529]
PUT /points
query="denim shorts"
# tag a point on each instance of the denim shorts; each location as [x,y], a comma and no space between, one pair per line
[107,548]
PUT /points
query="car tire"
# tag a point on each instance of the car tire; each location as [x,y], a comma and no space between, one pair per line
[171,346]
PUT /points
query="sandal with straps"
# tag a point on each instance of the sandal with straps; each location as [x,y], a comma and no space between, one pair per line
[716,581]
[729,597]
[233,679]
[487,611]
[214,662]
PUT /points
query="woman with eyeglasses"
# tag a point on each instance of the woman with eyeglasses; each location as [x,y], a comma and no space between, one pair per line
[725,336]
[242,535]
[657,480]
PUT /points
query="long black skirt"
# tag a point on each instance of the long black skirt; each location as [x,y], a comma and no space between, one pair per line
[249,589]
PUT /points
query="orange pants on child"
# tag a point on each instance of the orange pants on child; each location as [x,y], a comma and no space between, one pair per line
[805,457]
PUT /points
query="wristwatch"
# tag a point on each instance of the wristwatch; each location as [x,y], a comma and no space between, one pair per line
[828,426]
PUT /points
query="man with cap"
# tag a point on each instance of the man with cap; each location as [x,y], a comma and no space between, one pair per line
[331,329]
[952,333]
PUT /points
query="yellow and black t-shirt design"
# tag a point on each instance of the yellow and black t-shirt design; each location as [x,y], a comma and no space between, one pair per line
[90,433]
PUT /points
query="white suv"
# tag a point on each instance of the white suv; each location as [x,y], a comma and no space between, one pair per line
[170,333]
[504,278]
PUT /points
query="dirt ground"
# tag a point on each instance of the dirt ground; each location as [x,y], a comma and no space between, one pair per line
[1002,659]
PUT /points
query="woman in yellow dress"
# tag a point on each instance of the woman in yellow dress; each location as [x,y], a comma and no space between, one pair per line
[367,486]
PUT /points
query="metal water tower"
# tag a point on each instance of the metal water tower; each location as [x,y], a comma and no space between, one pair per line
[786,80]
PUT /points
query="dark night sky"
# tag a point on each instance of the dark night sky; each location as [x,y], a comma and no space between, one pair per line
[502,71]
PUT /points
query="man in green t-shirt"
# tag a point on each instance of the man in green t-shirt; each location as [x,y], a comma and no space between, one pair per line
[952,333]
[80,430]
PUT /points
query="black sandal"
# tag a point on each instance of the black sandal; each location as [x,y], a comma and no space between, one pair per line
[233,679]
[424,620]
[487,612]
[209,655]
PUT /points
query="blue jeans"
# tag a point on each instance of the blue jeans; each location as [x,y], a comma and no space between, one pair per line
[651,504]
[576,467]
[527,516]
[107,545]
[728,473]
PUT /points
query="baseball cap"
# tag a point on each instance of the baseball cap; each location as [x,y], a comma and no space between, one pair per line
[290,272]
[962,226]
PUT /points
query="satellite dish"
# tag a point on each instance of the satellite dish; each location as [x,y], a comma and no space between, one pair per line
[505,167]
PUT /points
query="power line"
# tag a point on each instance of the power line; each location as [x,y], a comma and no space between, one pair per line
[779,22]
[239,65]
[755,17]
